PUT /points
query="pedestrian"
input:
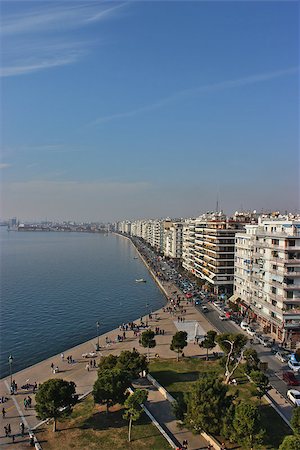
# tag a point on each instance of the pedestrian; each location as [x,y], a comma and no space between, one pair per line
[8,428]
[3,413]
[25,403]
[13,437]
[29,400]
[62,357]
[22,427]
[87,367]
[6,431]
[34,387]
[31,441]
[52,367]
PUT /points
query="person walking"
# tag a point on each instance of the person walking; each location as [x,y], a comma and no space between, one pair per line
[3,413]
[22,427]
[6,431]
[9,429]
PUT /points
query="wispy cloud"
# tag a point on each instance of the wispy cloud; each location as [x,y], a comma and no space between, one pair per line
[4,166]
[52,18]
[42,37]
[222,85]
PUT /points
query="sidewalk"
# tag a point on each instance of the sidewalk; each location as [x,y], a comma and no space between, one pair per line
[161,409]
[77,372]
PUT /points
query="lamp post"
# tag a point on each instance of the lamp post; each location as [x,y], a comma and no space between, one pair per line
[10,361]
[98,346]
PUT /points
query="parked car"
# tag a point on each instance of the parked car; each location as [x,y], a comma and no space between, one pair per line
[290,378]
[294,365]
[204,309]
[251,331]
[264,341]
[294,396]
[222,317]
[244,326]
[282,357]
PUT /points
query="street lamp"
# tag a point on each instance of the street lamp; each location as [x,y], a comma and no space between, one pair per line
[10,361]
[98,346]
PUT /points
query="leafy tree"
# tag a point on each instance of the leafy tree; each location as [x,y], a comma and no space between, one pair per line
[247,425]
[179,341]
[107,362]
[209,341]
[110,386]
[295,421]
[133,407]
[207,404]
[54,399]
[261,382]
[179,407]
[290,443]
[147,340]
[133,362]
[227,422]
[233,346]
[252,359]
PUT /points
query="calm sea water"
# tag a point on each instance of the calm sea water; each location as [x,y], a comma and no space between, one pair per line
[55,286]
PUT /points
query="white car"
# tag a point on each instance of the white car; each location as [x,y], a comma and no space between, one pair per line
[294,365]
[222,317]
[251,331]
[294,396]
[244,326]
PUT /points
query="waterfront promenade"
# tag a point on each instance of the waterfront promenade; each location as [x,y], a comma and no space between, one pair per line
[83,378]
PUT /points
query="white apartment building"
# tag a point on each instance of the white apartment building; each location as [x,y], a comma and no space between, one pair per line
[267,276]
[188,244]
[173,240]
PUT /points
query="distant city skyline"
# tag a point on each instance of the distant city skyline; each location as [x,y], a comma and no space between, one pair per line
[131,110]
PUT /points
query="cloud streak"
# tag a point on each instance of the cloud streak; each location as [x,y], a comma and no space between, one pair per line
[40,39]
[220,86]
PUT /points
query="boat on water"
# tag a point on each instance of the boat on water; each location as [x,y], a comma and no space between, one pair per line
[136,257]
[141,280]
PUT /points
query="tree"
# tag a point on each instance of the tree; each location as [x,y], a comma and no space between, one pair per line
[232,345]
[179,341]
[54,399]
[207,404]
[246,424]
[295,421]
[147,340]
[133,362]
[261,382]
[133,407]
[209,341]
[107,362]
[252,359]
[110,386]
[290,443]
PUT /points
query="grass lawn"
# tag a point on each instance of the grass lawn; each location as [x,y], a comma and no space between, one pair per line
[177,378]
[89,427]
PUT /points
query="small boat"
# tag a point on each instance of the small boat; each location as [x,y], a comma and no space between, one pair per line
[140,280]
[136,257]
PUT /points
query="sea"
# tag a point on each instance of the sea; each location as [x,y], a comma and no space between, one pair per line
[55,286]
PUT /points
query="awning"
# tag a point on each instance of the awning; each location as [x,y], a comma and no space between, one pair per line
[234,298]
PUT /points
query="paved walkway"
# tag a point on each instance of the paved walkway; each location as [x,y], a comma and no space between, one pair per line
[77,372]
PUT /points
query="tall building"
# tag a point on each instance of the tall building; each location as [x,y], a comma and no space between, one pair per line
[267,276]
[173,240]
[188,245]
[214,249]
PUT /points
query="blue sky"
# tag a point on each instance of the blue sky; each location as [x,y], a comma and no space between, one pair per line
[148,109]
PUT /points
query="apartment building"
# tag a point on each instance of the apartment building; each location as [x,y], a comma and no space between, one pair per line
[173,240]
[213,255]
[188,244]
[267,275]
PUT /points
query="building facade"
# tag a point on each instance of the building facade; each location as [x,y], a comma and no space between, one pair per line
[267,276]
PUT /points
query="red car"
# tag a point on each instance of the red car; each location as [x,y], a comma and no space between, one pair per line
[290,379]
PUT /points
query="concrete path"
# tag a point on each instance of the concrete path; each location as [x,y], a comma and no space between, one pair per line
[77,372]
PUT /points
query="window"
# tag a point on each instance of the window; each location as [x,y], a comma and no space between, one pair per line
[274,267]
[274,290]
[291,242]
[275,241]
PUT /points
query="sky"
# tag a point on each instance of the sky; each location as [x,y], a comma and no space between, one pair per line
[147,109]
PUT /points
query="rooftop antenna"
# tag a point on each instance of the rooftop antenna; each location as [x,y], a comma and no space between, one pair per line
[217,209]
